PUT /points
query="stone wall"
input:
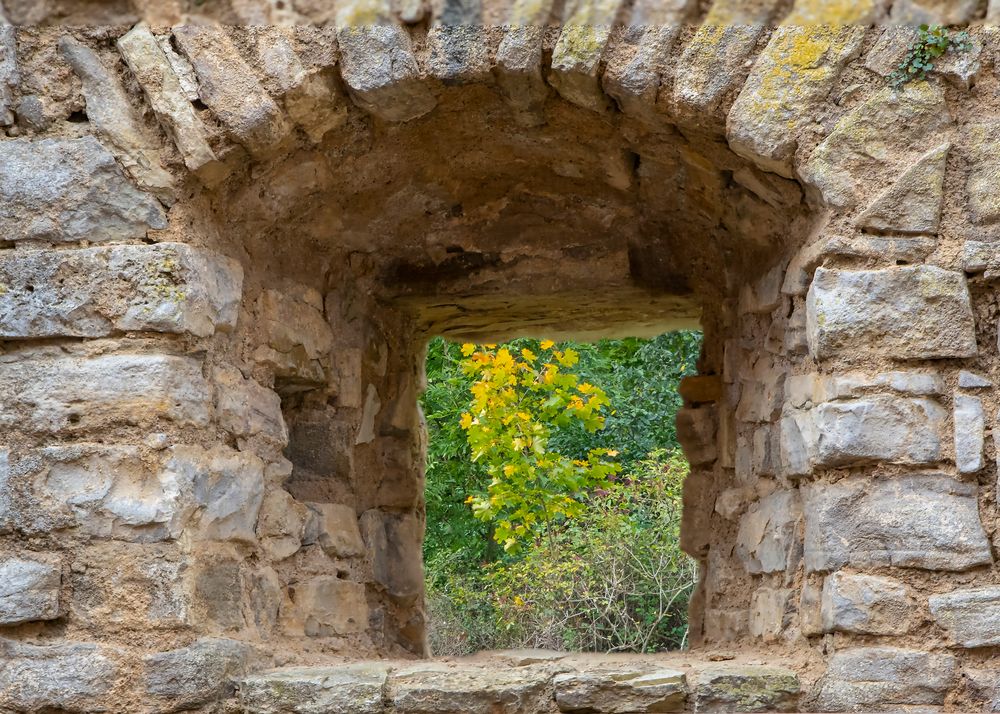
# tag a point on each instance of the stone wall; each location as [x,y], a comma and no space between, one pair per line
[223,246]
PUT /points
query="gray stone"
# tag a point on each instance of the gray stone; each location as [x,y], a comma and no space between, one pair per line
[354,688]
[29,590]
[696,430]
[768,533]
[327,606]
[621,692]
[981,257]
[77,393]
[983,142]
[971,380]
[746,688]
[916,12]
[393,544]
[282,523]
[459,49]
[92,292]
[970,434]
[971,617]
[985,685]
[248,410]
[71,677]
[913,203]
[576,57]
[769,608]
[877,677]
[919,312]
[928,521]
[199,674]
[633,79]
[439,689]
[519,61]
[335,528]
[814,388]
[9,75]
[865,605]
[65,190]
[298,336]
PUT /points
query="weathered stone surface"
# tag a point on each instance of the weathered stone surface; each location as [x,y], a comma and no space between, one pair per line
[970,433]
[746,688]
[50,394]
[393,547]
[916,12]
[167,287]
[9,75]
[971,380]
[167,96]
[809,389]
[983,139]
[199,674]
[71,677]
[701,389]
[437,689]
[913,203]
[282,523]
[577,55]
[519,58]
[971,617]
[230,89]
[355,688]
[985,686]
[29,590]
[921,312]
[928,521]
[248,410]
[791,77]
[459,49]
[335,528]
[696,430]
[881,677]
[327,606]
[882,129]
[865,605]
[65,190]
[620,692]
[768,533]
[298,336]
[768,611]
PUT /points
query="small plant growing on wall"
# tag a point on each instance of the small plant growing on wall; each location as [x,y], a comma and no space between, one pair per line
[932,42]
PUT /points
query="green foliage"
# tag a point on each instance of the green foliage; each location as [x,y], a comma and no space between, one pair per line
[931,43]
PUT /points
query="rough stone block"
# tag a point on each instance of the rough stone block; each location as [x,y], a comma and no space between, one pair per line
[64,190]
[217,591]
[297,335]
[93,292]
[984,171]
[869,678]
[199,674]
[913,203]
[29,590]
[865,605]
[970,434]
[576,57]
[354,688]
[971,380]
[768,533]
[71,677]
[335,528]
[701,389]
[746,688]
[437,689]
[768,612]
[621,692]
[971,617]
[921,312]
[327,606]
[246,409]
[282,523]
[928,521]
[9,75]
[393,542]
[459,48]
[82,393]
[696,429]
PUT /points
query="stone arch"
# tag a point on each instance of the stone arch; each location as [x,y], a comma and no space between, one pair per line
[214,292]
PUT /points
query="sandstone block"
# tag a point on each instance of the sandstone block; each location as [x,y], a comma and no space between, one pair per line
[434,689]
[9,75]
[29,590]
[199,674]
[65,190]
[768,533]
[328,606]
[984,172]
[701,389]
[72,677]
[248,410]
[620,692]
[768,612]
[971,617]
[746,688]
[881,677]
[355,688]
[281,524]
[49,394]
[696,429]
[928,521]
[93,292]
[913,203]
[865,605]
[393,546]
[970,434]
[921,312]
[335,528]
[297,335]
[576,57]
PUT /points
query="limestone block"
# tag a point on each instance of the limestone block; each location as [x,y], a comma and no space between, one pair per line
[763,295]
[328,606]
[971,380]
[519,56]
[633,79]
[355,688]
[913,203]
[393,543]
[696,430]
[983,156]
[71,676]
[726,625]
[768,533]
[335,528]
[928,521]
[437,689]
[855,384]
[166,92]
[865,605]
[876,677]
[29,590]
[217,595]
[297,335]
[227,485]
[281,525]
[762,394]
[768,610]
[942,12]
[970,434]
[576,58]
[246,409]
[985,685]
[377,62]
[92,292]
[459,49]
[971,617]
[65,190]
[789,80]
[231,90]
[746,688]
[201,673]
[621,692]
[9,75]
[880,130]
[80,393]
[810,614]
[921,312]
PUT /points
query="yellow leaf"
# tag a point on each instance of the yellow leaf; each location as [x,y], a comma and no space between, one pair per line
[508,470]
[466,421]
[528,355]
[468,349]
[547,344]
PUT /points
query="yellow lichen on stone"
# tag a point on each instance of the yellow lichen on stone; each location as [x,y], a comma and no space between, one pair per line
[834,12]
[530,13]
